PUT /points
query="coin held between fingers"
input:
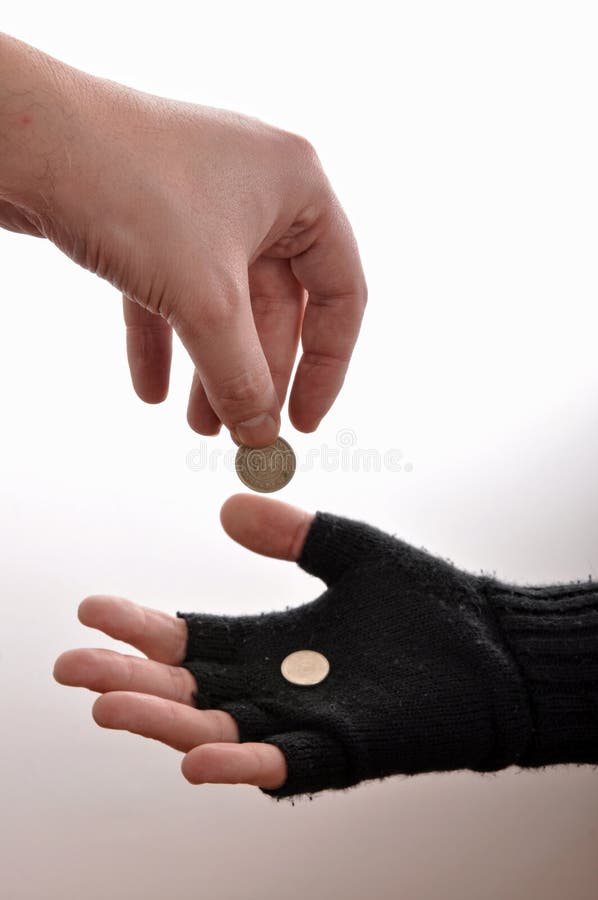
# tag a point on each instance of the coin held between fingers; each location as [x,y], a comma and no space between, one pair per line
[266,469]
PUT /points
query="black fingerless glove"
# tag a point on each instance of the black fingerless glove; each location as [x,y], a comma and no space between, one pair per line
[431,669]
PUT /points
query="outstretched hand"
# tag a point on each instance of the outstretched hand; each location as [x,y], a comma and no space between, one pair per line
[420,676]
[152,697]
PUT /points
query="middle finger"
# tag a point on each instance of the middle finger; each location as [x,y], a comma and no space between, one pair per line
[106,670]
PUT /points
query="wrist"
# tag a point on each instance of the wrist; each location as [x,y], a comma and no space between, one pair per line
[551,633]
[38,123]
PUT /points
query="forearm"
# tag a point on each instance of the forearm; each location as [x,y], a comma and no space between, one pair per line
[37,96]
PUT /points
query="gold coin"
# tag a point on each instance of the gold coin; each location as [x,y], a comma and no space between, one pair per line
[266,469]
[305,667]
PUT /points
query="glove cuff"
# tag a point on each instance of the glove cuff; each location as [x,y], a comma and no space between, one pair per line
[552,635]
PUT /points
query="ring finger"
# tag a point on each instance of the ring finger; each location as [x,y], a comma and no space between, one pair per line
[181,727]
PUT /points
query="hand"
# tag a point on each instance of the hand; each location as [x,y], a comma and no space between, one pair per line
[420,678]
[153,697]
[208,222]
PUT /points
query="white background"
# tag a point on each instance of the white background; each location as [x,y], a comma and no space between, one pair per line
[462,139]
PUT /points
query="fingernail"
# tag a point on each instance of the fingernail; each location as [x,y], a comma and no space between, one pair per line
[257,432]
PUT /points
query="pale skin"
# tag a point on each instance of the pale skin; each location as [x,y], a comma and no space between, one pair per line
[209,223]
[152,697]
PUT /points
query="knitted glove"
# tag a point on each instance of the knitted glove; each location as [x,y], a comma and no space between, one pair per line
[431,669]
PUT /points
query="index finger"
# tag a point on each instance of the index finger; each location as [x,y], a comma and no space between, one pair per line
[331,272]
[160,636]
[219,332]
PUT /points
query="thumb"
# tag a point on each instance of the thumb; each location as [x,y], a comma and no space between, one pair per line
[219,333]
[324,545]
[266,526]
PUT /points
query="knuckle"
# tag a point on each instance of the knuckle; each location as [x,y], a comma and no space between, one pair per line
[180,684]
[264,306]
[257,755]
[243,393]
[325,361]
[215,315]
[302,146]
[129,672]
[214,308]
[226,726]
[306,158]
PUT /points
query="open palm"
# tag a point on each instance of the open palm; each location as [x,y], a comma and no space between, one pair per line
[153,697]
